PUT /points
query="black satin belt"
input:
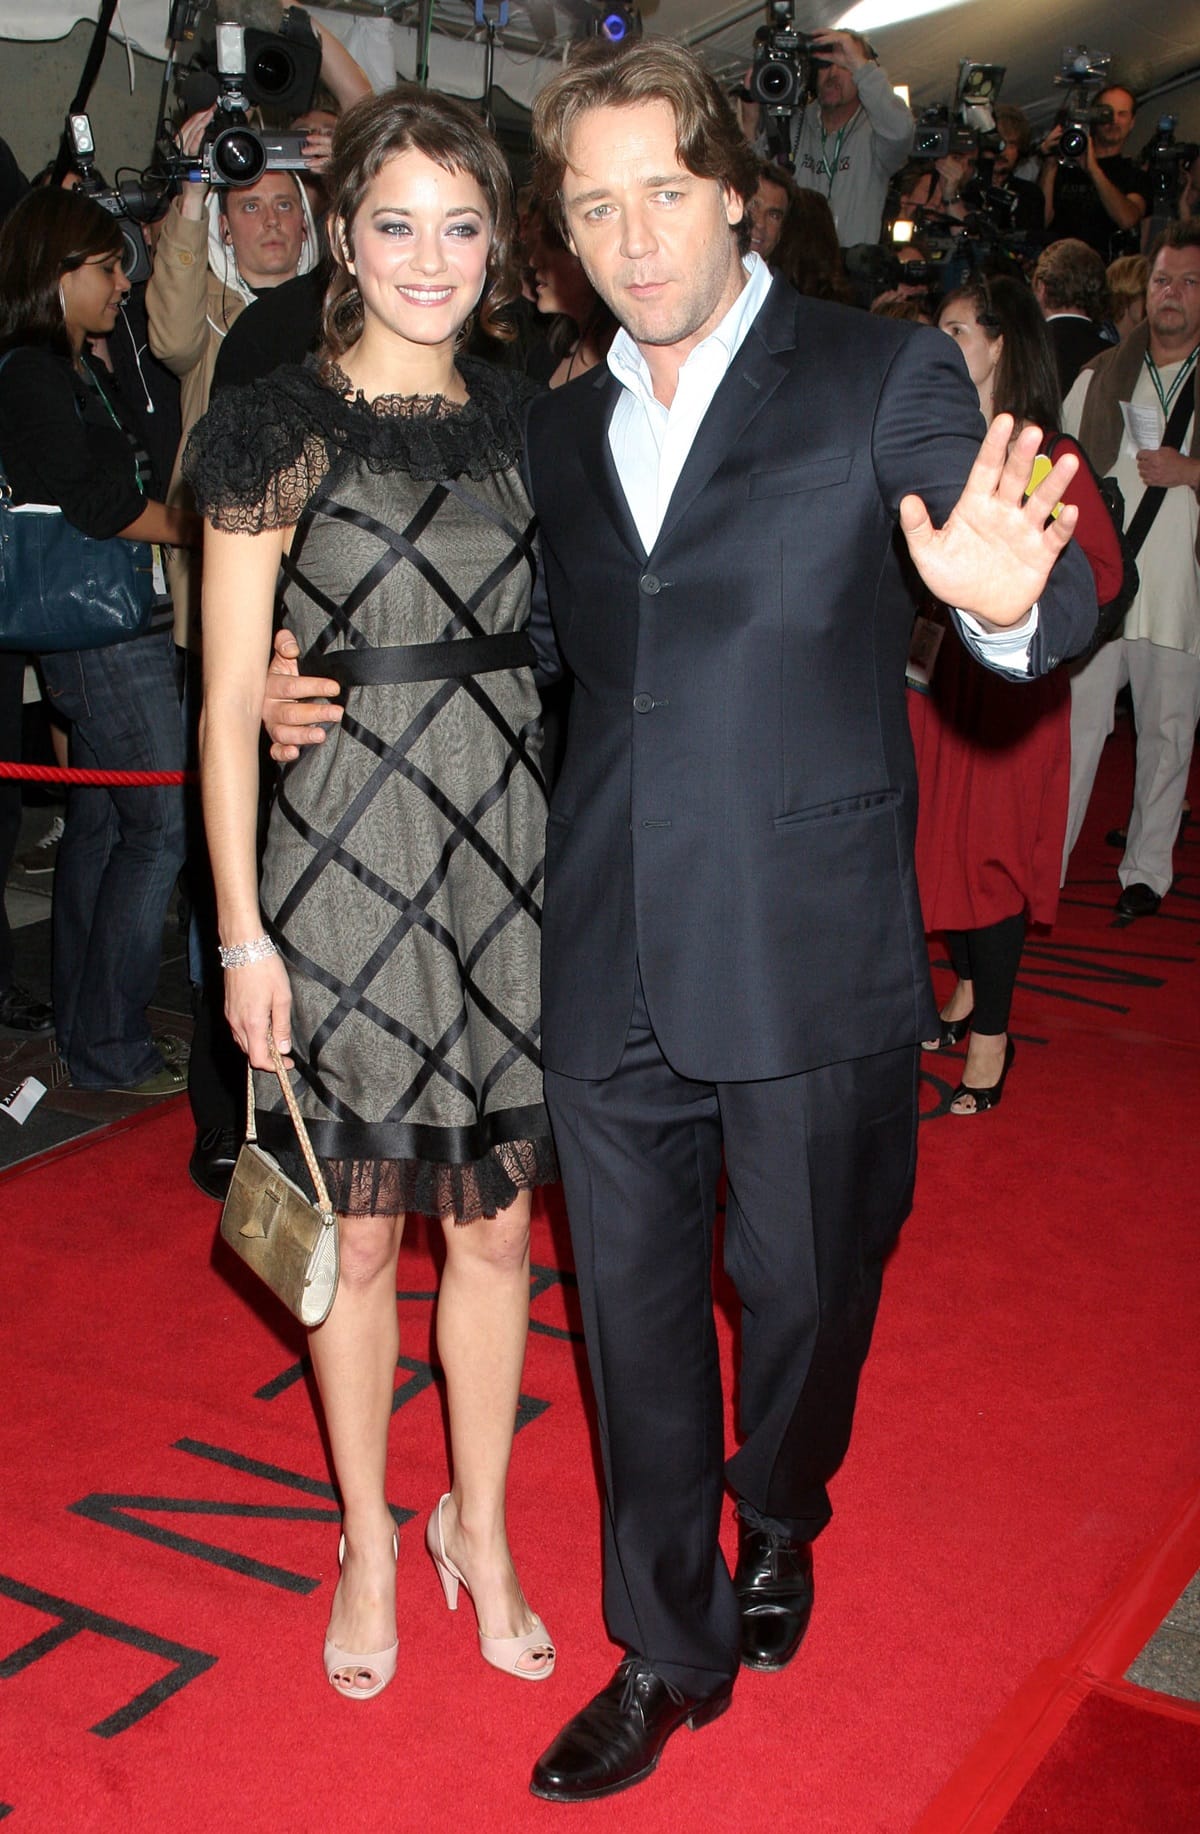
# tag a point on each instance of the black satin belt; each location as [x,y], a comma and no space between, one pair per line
[369,668]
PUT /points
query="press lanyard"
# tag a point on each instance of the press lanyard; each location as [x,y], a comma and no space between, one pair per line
[1166,398]
[824,165]
[96,383]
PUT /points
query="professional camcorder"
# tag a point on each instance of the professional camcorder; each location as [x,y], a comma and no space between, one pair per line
[132,201]
[1166,161]
[968,125]
[1083,74]
[779,76]
[251,67]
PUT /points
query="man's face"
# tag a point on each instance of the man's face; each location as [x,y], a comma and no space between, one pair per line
[1006,158]
[264,225]
[767,210]
[836,87]
[1173,298]
[1110,136]
[655,241]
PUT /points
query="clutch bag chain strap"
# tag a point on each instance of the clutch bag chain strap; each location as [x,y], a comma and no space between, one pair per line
[293,1108]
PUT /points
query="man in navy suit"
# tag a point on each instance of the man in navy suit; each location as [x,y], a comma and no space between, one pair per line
[733,957]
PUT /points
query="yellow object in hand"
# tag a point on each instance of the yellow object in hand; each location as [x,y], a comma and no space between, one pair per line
[1042,467]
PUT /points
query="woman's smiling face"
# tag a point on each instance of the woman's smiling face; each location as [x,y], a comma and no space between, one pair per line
[418,248]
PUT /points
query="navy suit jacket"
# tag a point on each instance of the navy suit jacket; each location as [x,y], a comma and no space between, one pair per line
[737,799]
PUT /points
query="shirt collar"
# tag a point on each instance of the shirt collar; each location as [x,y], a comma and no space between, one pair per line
[630,368]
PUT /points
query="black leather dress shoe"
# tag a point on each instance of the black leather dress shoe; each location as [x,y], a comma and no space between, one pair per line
[774,1586]
[618,1737]
[1137,900]
[213,1159]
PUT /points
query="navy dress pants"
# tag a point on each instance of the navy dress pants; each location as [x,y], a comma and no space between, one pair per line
[820,1171]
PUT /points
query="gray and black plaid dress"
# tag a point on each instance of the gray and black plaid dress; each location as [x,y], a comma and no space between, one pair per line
[402,873]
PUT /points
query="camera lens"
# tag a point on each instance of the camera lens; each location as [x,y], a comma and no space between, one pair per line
[1073,144]
[273,71]
[238,157]
[775,83]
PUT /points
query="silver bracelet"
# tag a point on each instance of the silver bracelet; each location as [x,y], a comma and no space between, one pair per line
[243,953]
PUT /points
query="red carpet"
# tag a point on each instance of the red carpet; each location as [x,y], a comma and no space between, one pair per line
[1118,1768]
[1028,1430]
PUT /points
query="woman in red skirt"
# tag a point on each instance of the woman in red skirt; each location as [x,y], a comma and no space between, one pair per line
[993,753]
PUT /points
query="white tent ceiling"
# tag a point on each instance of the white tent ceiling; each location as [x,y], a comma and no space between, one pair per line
[1150,47]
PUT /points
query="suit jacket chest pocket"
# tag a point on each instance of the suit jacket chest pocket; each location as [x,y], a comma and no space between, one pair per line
[808,474]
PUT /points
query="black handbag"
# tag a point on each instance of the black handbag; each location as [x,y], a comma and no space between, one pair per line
[61,589]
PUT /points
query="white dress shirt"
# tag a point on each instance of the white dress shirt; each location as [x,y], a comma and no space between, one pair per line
[650,443]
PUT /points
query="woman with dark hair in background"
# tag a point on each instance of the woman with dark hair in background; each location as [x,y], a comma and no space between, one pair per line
[993,755]
[586,327]
[808,253]
[65,439]
[393,945]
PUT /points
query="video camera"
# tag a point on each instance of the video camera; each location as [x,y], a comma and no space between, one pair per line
[251,67]
[1083,74]
[131,201]
[779,76]
[1166,160]
[968,125]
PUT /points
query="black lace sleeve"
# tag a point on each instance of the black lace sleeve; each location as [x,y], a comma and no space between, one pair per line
[254,459]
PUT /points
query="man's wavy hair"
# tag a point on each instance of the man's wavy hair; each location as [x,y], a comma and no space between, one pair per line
[403,120]
[1073,277]
[709,140]
[48,234]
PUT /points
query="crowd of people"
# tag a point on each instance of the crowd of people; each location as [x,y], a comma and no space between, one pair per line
[458,454]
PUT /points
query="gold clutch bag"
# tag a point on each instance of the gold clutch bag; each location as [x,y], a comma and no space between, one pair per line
[289,1242]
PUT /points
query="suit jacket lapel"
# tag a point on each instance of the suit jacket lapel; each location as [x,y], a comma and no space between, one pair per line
[752,378]
[596,408]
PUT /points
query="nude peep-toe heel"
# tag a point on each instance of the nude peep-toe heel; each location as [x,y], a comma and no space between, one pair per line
[503,1653]
[380,1665]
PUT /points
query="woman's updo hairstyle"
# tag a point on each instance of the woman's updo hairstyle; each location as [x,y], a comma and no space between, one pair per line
[402,120]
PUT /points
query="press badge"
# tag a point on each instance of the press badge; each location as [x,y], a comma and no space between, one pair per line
[923,647]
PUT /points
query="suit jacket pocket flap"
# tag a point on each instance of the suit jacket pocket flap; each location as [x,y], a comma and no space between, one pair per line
[814,474]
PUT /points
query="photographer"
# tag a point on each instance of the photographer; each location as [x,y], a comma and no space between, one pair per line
[1101,198]
[1016,144]
[217,250]
[859,133]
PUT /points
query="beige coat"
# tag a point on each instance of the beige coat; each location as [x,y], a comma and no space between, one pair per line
[189,311]
[193,297]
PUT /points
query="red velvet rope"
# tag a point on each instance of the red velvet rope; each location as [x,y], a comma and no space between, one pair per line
[53,773]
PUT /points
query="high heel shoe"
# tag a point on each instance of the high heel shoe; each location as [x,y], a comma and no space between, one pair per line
[985,1098]
[951,1031]
[380,1665]
[503,1653]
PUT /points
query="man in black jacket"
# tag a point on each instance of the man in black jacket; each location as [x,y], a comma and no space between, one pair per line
[1071,287]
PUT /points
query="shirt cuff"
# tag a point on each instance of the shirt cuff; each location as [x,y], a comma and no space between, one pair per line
[1005,650]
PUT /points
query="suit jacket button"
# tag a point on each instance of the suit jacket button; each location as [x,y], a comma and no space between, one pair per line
[650,583]
[643,703]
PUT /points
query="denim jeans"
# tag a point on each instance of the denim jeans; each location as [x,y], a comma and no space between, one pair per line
[119,856]
[12,678]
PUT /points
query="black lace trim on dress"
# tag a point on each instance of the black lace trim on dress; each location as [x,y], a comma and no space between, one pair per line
[396,1187]
[257,455]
